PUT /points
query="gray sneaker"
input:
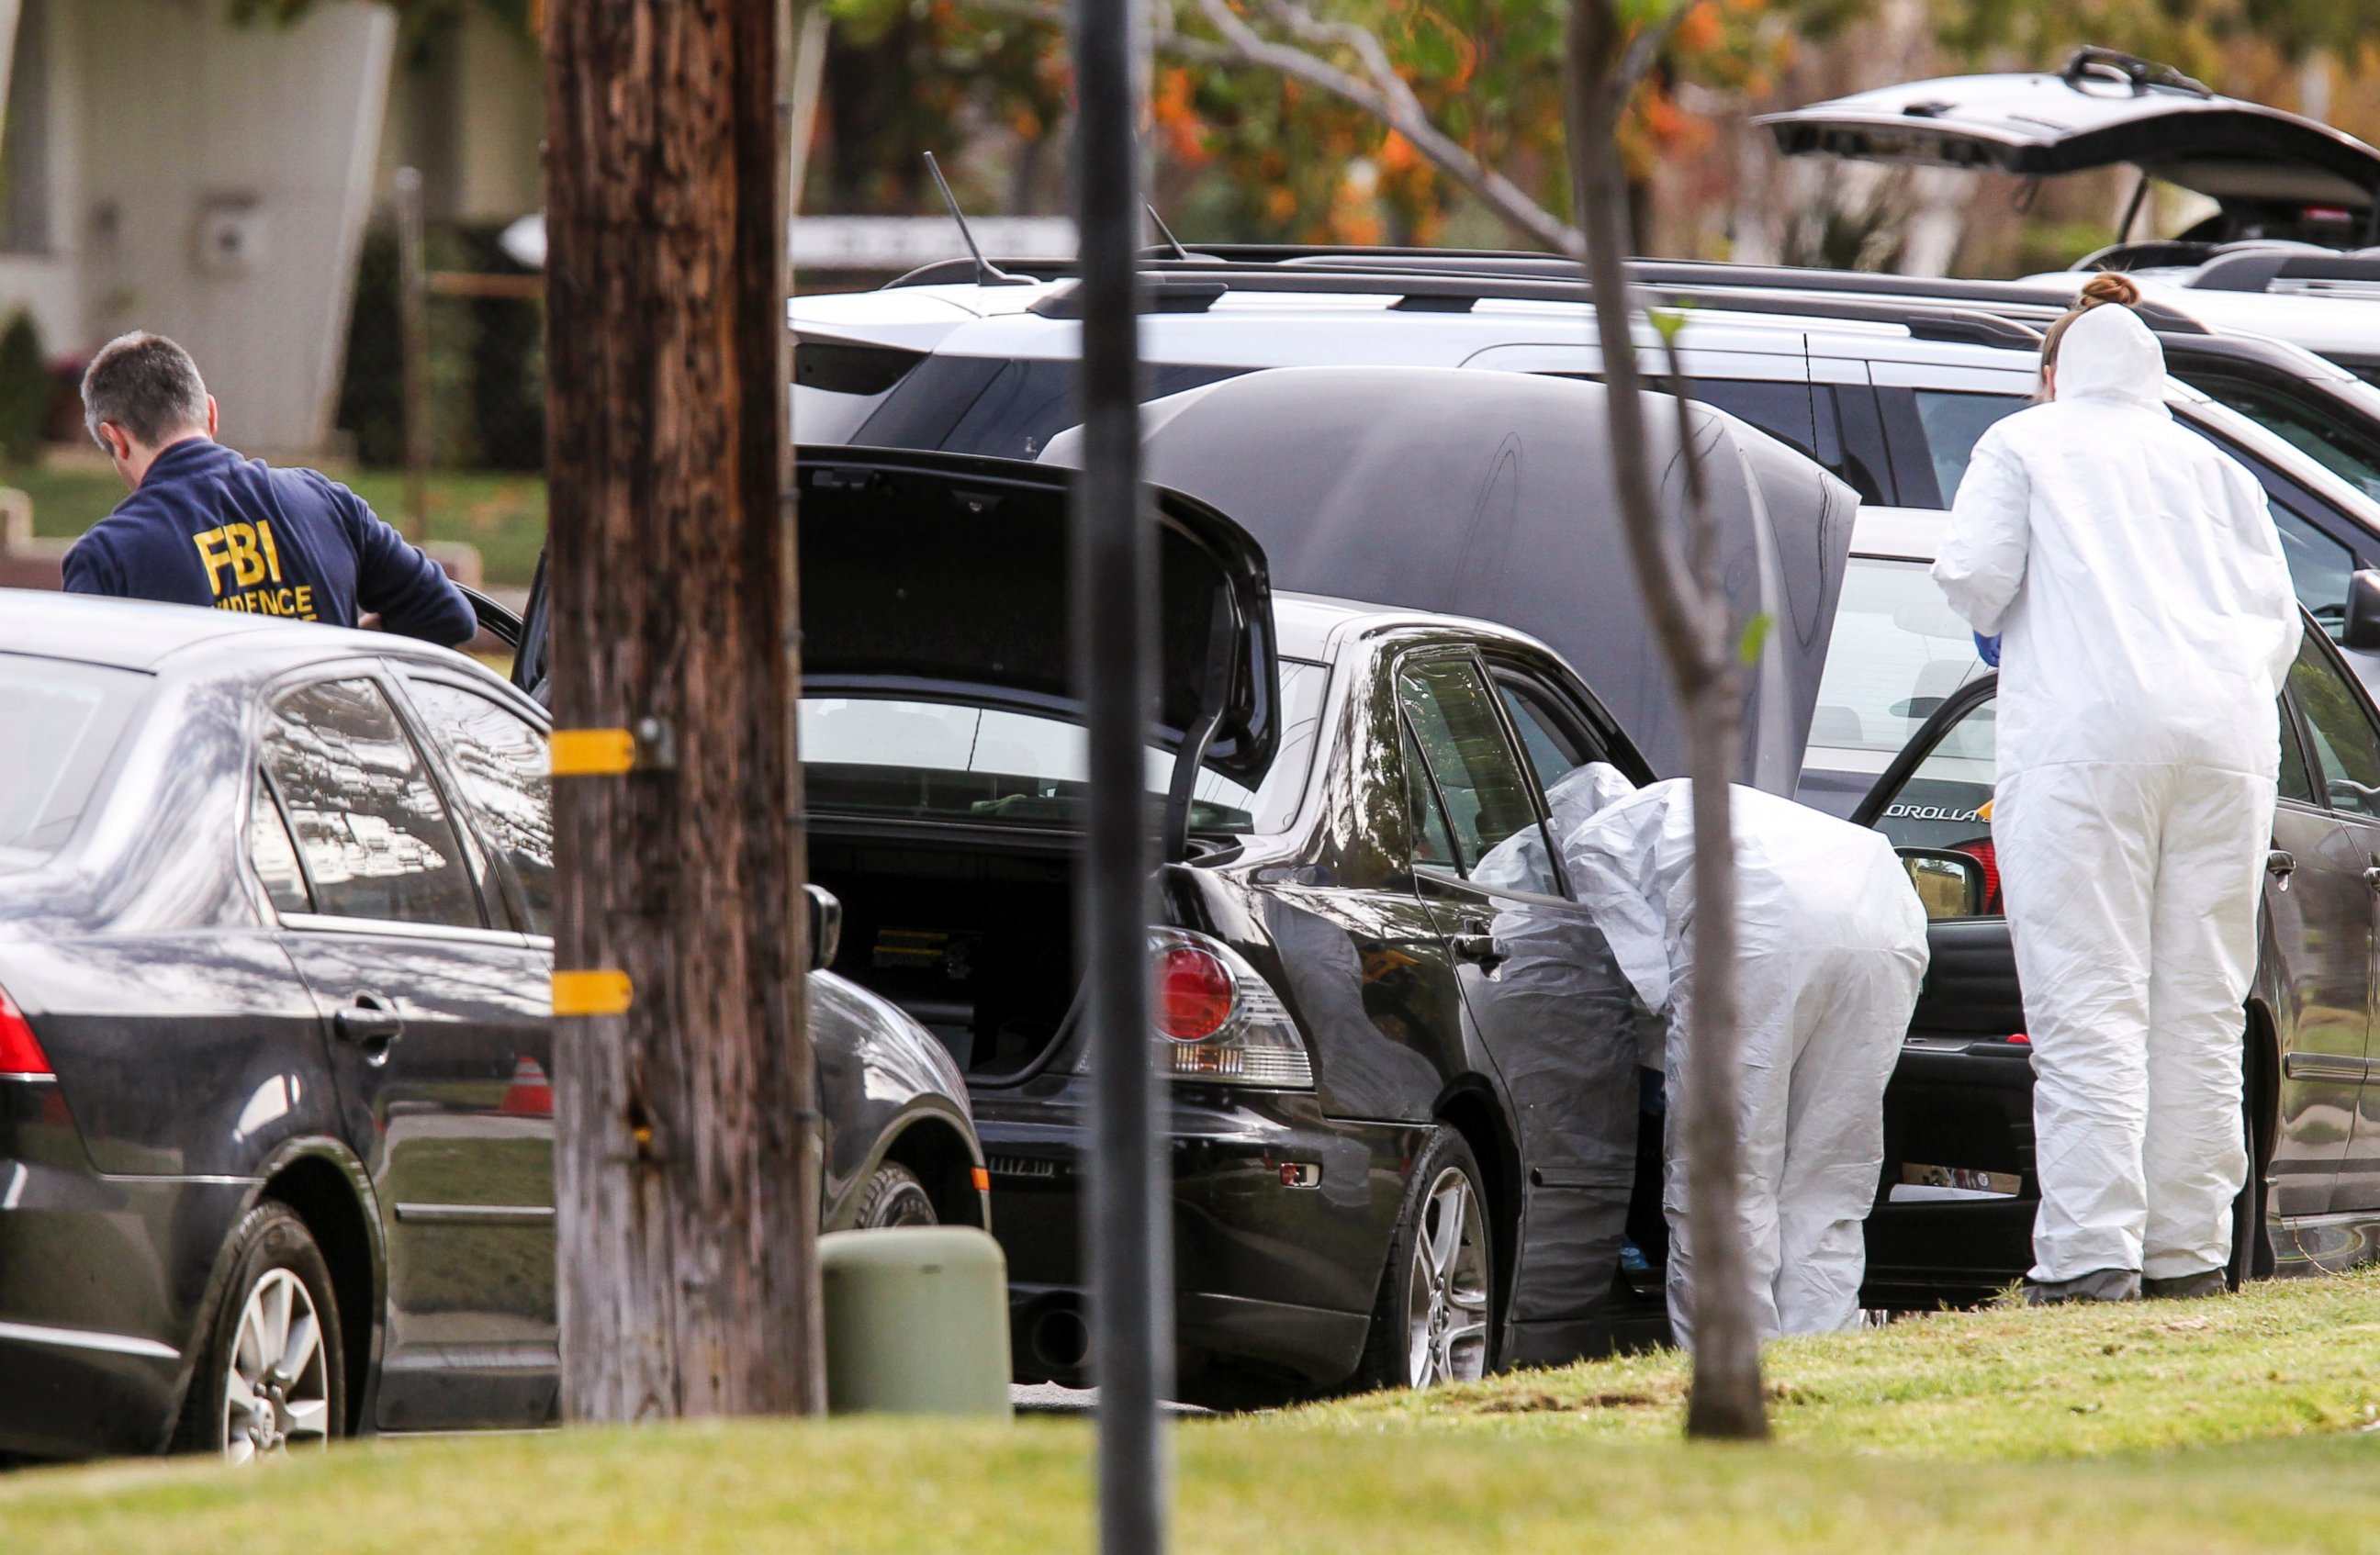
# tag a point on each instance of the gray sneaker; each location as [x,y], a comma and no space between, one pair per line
[2100,1285]
[2182,1287]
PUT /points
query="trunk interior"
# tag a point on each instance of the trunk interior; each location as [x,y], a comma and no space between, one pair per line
[977,942]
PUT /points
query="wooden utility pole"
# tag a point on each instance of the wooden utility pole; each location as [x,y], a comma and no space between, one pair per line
[687,1176]
[1681,586]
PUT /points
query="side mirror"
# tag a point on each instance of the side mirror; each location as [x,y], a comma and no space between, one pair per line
[1948,884]
[2362,630]
[826,926]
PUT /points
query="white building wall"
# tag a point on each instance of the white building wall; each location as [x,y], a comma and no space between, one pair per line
[47,284]
[222,183]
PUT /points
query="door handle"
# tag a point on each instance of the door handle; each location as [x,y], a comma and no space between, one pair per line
[371,1023]
[2280,864]
[2371,877]
[1479,949]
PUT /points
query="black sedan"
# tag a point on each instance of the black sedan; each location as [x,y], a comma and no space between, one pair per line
[1404,1094]
[276,1133]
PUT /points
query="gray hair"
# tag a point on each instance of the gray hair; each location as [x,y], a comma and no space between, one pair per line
[145,384]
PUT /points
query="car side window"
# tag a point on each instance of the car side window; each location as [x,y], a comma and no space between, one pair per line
[274,856]
[2327,440]
[2319,566]
[1780,409]
[2296,782]
[500,759]
[2346,747]
[370,828]
[1451,716]
[1433,843]
[1553,751]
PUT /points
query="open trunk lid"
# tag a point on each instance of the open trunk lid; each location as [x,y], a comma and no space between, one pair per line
[2101,109]
[935,577]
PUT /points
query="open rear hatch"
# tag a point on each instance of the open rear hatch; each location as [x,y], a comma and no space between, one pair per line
[941,734]
[2275,174]
[939,578]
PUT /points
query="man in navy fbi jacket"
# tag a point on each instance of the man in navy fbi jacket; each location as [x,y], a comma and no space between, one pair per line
[206,526]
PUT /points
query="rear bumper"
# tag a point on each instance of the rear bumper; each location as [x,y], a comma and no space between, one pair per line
[1966,1106]
[101,1280]
[1272,1281]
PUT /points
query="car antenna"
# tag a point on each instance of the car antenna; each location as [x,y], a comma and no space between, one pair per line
[986,272]
[1167,232]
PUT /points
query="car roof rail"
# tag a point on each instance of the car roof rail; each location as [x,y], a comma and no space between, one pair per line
[1208,255]
[1989,295]
[1179,289]
[1157,294]
[2356,274]
[1311,268]
[2258,356]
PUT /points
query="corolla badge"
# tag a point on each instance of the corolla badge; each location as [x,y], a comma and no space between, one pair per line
[1930,812]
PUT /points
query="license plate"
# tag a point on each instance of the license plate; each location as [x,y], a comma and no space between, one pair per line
[1966,1179]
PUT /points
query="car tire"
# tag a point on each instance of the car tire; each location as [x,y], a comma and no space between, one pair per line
[894,1197]
[2252,1245]
[271,1375]
[1434,1320]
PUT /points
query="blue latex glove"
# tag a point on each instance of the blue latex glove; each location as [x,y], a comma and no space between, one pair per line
[1988,649]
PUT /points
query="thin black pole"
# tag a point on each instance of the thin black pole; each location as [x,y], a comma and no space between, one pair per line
[1128,1230]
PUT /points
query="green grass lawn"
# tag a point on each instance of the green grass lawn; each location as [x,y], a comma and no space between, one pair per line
[2281,1358]
[2232,1425]
[503,514]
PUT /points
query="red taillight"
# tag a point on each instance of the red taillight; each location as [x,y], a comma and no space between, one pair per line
[19,1053]
[1195,993]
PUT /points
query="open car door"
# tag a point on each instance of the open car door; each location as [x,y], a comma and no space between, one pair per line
[1934,804]
[1954,1208]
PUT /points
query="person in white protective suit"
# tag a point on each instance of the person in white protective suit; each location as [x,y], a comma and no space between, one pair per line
[1830,952]
[2134,576]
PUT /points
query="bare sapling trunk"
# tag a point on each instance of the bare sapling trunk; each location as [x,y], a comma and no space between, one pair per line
[685,1175]
[1690,617]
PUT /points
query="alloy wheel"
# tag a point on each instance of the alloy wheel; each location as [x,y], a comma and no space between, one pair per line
[1446,1298]
[276,1386]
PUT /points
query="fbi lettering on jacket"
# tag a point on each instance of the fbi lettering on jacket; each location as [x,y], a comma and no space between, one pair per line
[244,569]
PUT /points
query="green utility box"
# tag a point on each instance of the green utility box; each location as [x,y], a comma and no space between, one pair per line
[917,1320]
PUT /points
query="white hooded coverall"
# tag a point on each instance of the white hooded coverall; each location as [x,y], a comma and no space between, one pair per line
[1830,952]
[2135,575]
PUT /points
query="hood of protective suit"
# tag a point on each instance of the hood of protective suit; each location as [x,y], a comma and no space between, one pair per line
[2109,355]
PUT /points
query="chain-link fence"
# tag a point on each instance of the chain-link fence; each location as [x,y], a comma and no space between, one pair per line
[484,367]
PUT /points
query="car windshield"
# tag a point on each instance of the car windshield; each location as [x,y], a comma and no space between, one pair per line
[1899,650]
[61,720]
[951,762]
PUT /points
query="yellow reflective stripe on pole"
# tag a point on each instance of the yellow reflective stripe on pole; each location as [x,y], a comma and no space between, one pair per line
[602,992]
[591,753]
